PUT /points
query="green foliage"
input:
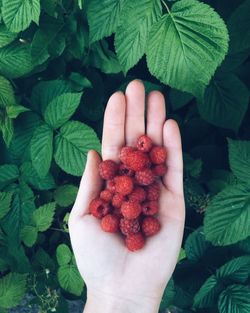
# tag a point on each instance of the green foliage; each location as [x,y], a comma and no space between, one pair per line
[59,63]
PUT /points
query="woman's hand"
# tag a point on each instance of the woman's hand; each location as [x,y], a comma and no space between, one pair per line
[119,280]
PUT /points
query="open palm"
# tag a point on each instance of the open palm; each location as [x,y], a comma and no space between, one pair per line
[107,267]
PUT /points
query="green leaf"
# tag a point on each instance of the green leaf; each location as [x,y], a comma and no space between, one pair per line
[63,254]
[41,149]
[8,174]
[72,143]
[12,289]
[196,245]
[29,235]
[234,299]
[7,129]
[15,60]
[42,260]
[6,93]
[18,14]
[236,270]
[227,216]
[179,99]
[70,279]
[14,110]
[103,17]
[132,34]
[186,46]
[225,102]
[6,36]
[43,216]
[239,159]
[5,200]
[65,195]
[60,109]
[168,295]
[30,176]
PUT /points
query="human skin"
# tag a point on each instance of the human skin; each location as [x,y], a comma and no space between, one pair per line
[118,280]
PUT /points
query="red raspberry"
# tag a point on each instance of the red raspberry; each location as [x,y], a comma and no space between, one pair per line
[144,143]
[129,227]
[138,194]
[124,153]
[135,242]
[153,191]
[137,160]
[145,177]
[150,208]
[99,208]
[117,212]
[110,185]
[123,185]
[108,169]
[110,223]
[158,155]
[159,170]
[117,200]
[123,170]
[106,195]
[150,226]
[131,209]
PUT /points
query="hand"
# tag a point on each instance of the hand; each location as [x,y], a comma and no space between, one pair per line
[119,280]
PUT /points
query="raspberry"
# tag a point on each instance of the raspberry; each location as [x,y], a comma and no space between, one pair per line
[110,223]
[123,170]
[153,191]
[99,208]
[123,185]
[108,169]
[158,155]
[117,212]
[137,160]
[138,194]
[144,143]
[135,242]
[106,195]
[110,185]
[159,170]
[131,209]
[129,227]
[124,153]
[117,200]
[150,226]
[150,208]
[145,177]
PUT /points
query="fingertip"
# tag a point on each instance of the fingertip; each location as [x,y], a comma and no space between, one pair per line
[135,85]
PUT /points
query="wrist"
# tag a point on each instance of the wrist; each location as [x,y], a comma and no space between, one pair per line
[101,302]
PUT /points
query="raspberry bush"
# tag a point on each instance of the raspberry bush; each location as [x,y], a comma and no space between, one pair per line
[59,63]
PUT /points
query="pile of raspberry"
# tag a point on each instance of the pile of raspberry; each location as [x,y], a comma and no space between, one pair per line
[129,202]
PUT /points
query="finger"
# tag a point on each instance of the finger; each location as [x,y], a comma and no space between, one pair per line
[156,115]
[90,185]
[173,179]
[113,128]
[135,108]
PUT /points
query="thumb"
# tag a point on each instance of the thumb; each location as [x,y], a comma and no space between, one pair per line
[90,185]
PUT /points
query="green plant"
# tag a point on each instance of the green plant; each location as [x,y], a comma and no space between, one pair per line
[60,60]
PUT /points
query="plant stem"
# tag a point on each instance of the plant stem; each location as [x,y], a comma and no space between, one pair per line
[166,6]
[58,229]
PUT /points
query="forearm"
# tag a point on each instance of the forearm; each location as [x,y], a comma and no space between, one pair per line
[97,303]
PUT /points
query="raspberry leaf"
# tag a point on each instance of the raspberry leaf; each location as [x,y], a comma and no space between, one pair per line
[5,200]
[15,60]
[8,174]
[227,216]
[65,195]
[72,143]
[239,159]
[186,46]
[29,235]
[18,14]
[43,216]
[6,93]
[6,36]
[225,93]
[63,255]
[60,109]
[103,17]
[41,149]
[132,34]
[12,289]
[234,299]
[70,279]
